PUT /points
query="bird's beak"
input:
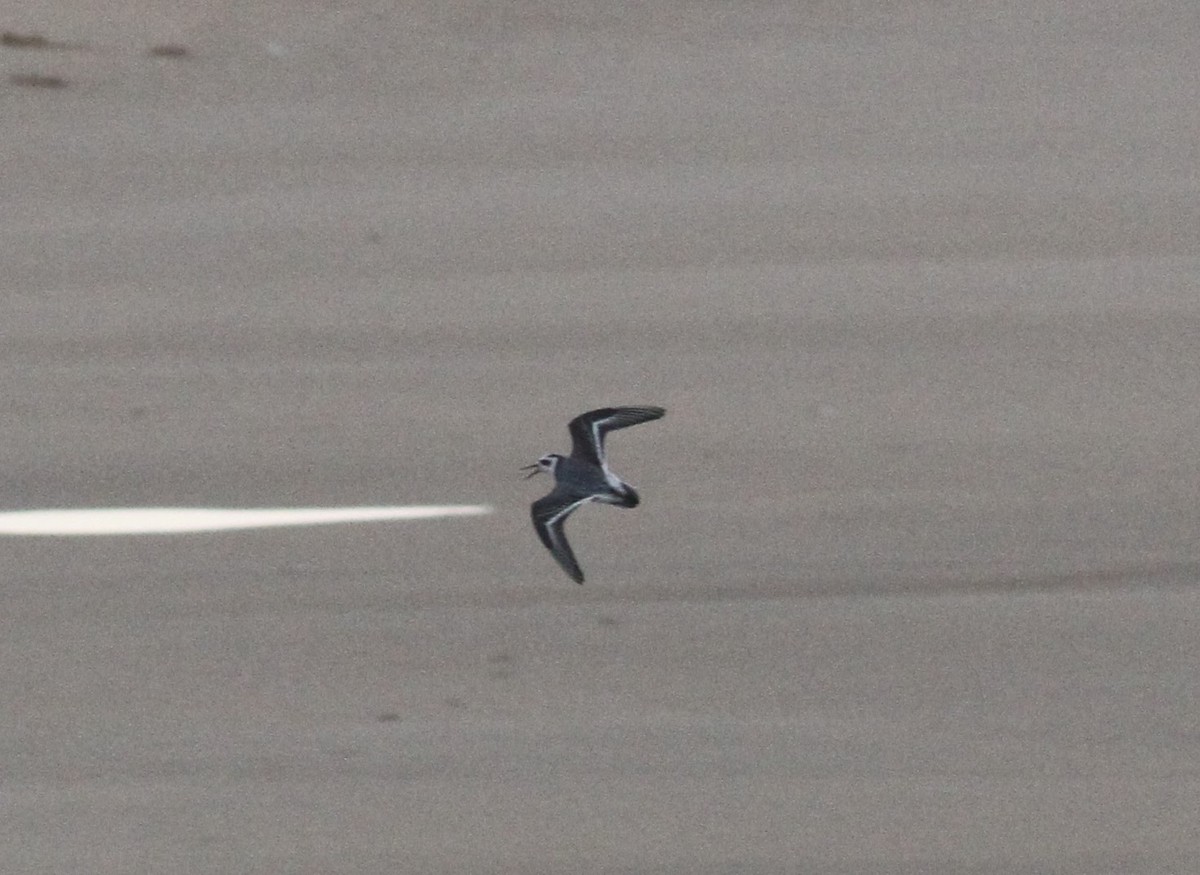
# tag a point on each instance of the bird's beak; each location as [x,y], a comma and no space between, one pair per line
[535,468]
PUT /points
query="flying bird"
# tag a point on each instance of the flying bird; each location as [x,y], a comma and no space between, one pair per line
[582,477]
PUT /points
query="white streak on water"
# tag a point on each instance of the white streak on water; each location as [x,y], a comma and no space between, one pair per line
[169,520]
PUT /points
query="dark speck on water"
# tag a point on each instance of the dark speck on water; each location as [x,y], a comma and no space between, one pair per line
[36,80]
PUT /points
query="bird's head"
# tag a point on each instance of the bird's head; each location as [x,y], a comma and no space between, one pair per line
[546,463]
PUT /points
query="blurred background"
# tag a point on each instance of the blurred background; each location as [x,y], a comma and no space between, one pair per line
[912,587]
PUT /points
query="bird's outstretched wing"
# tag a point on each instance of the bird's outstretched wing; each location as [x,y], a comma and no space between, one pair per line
[549,514]
[588,429]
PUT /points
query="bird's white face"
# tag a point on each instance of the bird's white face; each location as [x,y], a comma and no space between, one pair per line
[546,463]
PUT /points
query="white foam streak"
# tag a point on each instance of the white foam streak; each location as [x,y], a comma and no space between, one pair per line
[169,520]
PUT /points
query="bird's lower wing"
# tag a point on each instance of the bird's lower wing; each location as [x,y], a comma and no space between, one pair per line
[549,515]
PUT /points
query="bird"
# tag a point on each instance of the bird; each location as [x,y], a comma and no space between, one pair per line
[582,477]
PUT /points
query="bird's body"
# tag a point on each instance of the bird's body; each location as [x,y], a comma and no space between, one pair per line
[583,477]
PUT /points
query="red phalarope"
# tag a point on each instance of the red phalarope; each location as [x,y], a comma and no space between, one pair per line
[582,477]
